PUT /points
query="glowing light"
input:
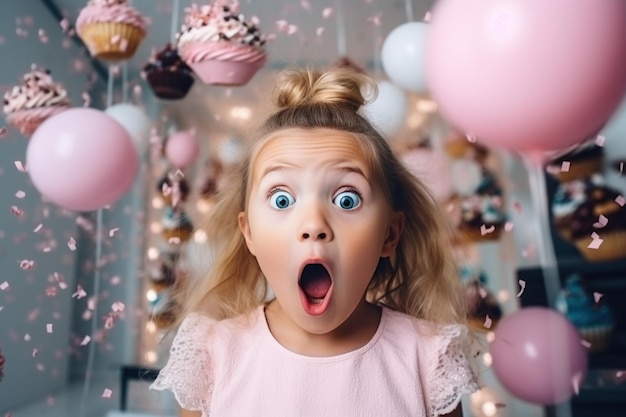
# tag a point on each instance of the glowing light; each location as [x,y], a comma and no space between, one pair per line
[151,327]
[491,336]
[153,253]
[241,112]
[503,296]
[199,236]
[487,359]
[157,203]
[156,227]
[426,106]
[204,206]
[151,295]
[151,356]
[489,409]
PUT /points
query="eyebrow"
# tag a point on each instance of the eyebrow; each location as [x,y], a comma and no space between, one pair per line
[285,166]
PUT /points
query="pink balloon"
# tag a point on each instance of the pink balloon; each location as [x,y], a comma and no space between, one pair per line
[82,159]
[522,74]
[538,356]
[181,149]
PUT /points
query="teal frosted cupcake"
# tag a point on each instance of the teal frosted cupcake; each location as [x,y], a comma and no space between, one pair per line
[593,319]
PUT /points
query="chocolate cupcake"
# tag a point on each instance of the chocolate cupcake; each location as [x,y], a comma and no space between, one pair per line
[600,216]
[177,228]
[173,191]
[584,161]
[168,75]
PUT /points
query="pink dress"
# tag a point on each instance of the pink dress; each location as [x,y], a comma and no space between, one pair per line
[235,368]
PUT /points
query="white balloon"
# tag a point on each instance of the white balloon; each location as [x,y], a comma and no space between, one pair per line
[403,56]
[387,112]
[135,121]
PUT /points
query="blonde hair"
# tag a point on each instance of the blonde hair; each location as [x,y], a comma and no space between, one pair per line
[420,279]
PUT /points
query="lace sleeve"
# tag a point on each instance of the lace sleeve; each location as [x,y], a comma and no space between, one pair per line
[453,375]
[188,372]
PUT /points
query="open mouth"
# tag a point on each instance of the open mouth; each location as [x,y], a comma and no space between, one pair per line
[315,283]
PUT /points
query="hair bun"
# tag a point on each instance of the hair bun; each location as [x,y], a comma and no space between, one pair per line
[337,86]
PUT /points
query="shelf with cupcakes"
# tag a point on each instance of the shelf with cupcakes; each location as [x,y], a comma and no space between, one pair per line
[220,45]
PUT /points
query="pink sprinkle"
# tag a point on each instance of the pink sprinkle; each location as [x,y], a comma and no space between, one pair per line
[620,200]
[49,328]
[484,230]
[38,228]
[113,231]
[118,307]
[522,285]
[85,341]
[319,31]
[16,211]
[327,12]
[124,44]
[71,244]
[596,242]
[597,296]
[508,226]
[20,194]
[109,321]
[91,303]
[600,139]
[255,20]
[115,39]
[20,167]
[107,393]
[565,166]
[51,291]
[4,286]
[602,222]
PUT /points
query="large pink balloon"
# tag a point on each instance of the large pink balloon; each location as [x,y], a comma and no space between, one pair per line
[525,74]
[538,356]
[182,149]
[82,159]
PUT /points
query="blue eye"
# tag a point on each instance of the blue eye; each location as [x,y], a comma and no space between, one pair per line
[281,200]
[347,200]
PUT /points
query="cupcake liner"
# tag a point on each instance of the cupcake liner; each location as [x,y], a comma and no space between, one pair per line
[28,121]
[111,41]
[170,85]
[612,247]
[225,73]
[598,336]
[580,169]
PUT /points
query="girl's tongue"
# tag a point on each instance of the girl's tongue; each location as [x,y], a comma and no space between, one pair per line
[315,281]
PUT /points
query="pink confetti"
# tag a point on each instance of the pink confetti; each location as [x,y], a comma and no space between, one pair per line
[107,393]
[585,343]
[522,285]
[4,286]
[116,280]
[305,5]
[34,353]
[281,25]
[40,367]
[327,12]
[508,226]
[51,291]
[565,166]
[484,230]
[597,296]
[65,24]
[487,323]
[20,194]
[71,244]
[600,139]
[20,167]
[27,337]
[375,20]
[85,341]
[3,131]
[27,265]
[124,44]
[596,242]
[80,293]
[38,228]
[118,307]
[86,99]
[319,31]
[115,39]
[620,200]
[16,211]
[109,321]
[113,231]
[42,36]
[602,222]
[471,138]
[49,328]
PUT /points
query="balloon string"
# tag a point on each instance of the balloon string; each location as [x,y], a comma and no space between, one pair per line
[408,5]
[94,318]
[341,30]
[174,28]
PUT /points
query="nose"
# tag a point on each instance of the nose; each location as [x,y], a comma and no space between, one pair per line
[314,225]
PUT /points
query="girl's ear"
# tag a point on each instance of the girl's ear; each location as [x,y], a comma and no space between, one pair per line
[393,235]
[245,231]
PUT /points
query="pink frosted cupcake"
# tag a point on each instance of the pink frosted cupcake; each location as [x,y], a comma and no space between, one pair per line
[219,45]
[111,29]
[26,106]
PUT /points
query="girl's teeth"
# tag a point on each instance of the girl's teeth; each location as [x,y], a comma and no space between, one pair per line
[316,300]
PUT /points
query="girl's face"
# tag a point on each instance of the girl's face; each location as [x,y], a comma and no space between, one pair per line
[313,201]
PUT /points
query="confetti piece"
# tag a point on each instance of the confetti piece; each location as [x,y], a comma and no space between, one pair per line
[482,292]
[118,307]
[49,328]
[20,194]
[291,29]
[375,20]
[86,99]
[620,200]
[327,12]
[3,131]
[65,24]
[319,31]
[51,291]
[115,39]
[27,337]
[38,228]
[27,265]
[522,285]
[565,166]
[71,244]
[305,5]
[109,321]
[602,221]
[4,286]
[600,139]
[585,343]
[597,296]
[113,231]
[484,230]
[281,25]
[508,226]
[107,393]
[43,38]
[487,323]
[471,138]
[85,341]
[35,352]
[16,211]
[80,293]
[596,242]
[20,167]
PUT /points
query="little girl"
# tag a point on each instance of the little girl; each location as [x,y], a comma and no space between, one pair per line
[366,312]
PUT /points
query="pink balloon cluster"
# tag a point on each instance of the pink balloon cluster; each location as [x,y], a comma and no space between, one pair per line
[82,159]
[522,74]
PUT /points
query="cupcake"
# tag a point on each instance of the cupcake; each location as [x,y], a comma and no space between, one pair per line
[26,106]
[584,161]
[567,198]
[163,275]
[177,228]
[111,29]
[169,77]
[219,45]
[600,216]
[484,312]
[173,191]
[594,320]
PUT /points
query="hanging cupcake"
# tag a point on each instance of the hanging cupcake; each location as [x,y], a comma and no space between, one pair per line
[169,77]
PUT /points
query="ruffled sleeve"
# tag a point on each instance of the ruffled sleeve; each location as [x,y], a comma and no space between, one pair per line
[450,372]
[189,372]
